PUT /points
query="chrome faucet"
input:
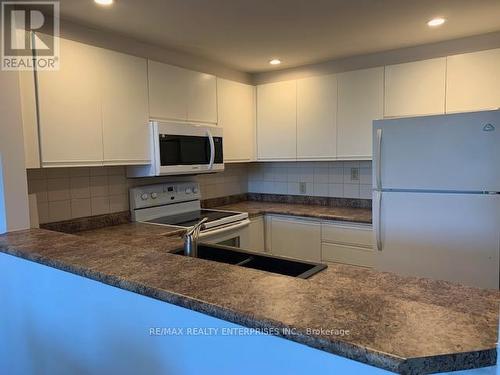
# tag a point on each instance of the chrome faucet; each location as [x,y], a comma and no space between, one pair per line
[191,239]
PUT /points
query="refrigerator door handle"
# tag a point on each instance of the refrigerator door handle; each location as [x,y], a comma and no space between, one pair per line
[378,218]
[378,158]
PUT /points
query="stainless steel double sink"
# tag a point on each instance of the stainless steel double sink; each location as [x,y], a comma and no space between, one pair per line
[270,263]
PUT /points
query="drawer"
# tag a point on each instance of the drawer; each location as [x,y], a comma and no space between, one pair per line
[358,256]
[350,234]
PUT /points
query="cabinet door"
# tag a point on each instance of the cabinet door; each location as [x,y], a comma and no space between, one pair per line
[296,238]
[416,88]
[360,101]
[30,125]
[317,117]
[124,108]
[256,234]
[236,103]
[473,81]
[277,120]
[202,97]
[70,108]
[168,91]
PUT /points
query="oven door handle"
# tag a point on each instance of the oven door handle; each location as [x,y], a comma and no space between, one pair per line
[228,228]
[212,149]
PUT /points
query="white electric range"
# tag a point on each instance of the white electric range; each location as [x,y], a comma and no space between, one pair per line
[178,205]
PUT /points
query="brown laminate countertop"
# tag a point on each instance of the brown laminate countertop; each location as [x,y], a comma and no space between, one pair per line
[405,325]
[255,208]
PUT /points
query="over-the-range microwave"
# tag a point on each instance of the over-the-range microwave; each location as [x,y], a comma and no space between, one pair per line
[182,148]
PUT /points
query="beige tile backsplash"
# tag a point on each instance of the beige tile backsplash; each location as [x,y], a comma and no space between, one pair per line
[67,193]
[326,179]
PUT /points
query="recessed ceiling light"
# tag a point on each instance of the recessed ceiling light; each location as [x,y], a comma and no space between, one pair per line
[275,62]
[436,22]
[104,2]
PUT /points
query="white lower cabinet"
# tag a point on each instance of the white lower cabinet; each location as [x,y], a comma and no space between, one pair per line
[256,235]
[295,238]
[349,243]
[315,240]
[357,256]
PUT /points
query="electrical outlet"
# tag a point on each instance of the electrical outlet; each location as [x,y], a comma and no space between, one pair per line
[302,187]
[354,174]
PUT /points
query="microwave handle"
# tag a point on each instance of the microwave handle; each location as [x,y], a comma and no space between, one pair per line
[212,149]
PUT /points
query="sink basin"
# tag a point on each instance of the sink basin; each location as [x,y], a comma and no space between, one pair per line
[248,259]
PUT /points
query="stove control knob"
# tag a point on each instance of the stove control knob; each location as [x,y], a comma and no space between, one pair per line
[195,190]
[188,190]
[144,196]
[154,195]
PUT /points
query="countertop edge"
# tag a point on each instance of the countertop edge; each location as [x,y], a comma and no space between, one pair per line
[312,216]
[442,362]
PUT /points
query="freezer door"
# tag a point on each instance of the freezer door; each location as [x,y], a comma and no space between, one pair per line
[459,152]
[454,237]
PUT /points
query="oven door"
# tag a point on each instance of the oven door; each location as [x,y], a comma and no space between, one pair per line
[187,148]
[236,234]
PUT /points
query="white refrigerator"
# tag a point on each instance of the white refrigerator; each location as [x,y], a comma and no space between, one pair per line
[436,197]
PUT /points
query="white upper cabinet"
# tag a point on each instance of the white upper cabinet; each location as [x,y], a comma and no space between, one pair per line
[473,81]
[181,94]
[30,125]
[168,91]
[124,93]
[202,97]
[277,120]
[317,117]
[94,110]
[236,109]
[70,108]
[416,88]
[360,101]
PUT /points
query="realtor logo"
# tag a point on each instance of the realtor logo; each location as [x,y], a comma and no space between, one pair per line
[30,35]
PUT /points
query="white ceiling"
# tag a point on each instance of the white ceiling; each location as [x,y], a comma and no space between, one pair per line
[245,34]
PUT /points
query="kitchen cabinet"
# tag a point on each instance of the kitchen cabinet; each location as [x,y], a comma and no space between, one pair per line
[28,114]
[277,121]
[473,81]
[256,234]
[124,108]
[360,101]
[69,100]
[181,94]
[415,88]
[295,237]
[349,243]
[168,91]
[202,97]
[94,110]
[317,117]
[236,113]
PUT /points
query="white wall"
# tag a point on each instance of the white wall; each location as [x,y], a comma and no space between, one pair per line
[14,192]
[396,56]
[117,42]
